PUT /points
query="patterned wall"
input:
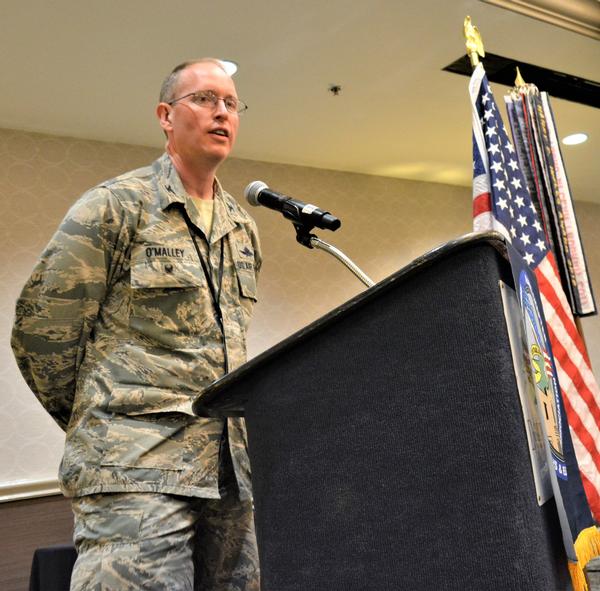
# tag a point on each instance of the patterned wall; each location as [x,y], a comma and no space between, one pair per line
[40,177]
[386,223]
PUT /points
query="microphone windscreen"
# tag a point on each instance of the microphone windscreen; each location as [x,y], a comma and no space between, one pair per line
[252,191]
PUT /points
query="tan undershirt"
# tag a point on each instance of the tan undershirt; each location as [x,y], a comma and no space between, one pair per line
[205,208]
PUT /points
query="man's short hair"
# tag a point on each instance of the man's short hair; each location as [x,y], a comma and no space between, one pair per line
[169,85]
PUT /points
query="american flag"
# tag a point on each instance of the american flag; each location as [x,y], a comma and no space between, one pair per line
[501,202]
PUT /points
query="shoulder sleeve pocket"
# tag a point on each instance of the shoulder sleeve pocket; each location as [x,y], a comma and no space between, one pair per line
[247,284]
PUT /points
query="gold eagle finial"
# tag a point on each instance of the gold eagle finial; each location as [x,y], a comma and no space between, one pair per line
[473,41]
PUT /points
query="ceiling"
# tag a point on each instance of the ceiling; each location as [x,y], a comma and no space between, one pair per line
[93,70]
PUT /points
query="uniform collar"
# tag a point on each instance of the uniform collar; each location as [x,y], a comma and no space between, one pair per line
[226,215]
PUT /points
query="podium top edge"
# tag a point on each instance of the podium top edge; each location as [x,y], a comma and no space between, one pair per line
[206,404]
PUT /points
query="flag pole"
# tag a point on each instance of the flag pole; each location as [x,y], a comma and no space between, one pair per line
[473,42]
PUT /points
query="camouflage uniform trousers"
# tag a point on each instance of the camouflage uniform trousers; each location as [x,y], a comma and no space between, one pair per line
[133,541]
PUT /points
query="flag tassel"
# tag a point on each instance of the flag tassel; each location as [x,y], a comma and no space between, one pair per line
[578,577]
[587,547]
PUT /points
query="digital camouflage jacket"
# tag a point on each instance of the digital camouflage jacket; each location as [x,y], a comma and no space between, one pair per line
[116,332]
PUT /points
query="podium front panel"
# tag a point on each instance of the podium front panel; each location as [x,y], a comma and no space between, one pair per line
[389,452]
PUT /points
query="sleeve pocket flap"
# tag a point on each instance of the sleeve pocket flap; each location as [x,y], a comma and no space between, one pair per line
[141,400]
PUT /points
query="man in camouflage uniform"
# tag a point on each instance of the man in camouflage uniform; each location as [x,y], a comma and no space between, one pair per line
[138,303]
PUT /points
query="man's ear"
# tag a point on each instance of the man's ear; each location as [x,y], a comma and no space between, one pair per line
[163,112]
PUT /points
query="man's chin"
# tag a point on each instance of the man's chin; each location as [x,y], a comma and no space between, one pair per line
[216,156]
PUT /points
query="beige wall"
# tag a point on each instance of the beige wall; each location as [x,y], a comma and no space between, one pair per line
[386,223]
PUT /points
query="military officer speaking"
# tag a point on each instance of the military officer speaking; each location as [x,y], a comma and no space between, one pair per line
[141,299]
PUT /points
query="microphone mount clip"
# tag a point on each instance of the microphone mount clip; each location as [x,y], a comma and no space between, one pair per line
[303,233]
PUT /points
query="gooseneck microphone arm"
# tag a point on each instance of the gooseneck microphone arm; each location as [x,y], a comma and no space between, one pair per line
[340,256]
[304,217]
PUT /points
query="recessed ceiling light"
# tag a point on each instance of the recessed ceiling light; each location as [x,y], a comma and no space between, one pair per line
[575,138]
[230,67]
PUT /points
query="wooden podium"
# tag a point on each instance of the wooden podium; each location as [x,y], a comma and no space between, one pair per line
[387,441]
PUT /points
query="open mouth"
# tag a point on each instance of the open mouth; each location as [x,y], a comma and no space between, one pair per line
[221,132]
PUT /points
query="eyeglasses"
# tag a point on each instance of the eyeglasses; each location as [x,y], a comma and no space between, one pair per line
[207,99]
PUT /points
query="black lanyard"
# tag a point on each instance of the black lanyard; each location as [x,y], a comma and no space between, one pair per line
[215,294]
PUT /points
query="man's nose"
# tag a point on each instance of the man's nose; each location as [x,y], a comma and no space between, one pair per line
[220,108]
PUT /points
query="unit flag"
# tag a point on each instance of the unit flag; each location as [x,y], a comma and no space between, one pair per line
[538,153]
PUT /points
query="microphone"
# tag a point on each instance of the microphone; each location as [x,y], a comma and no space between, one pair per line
[258,193]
